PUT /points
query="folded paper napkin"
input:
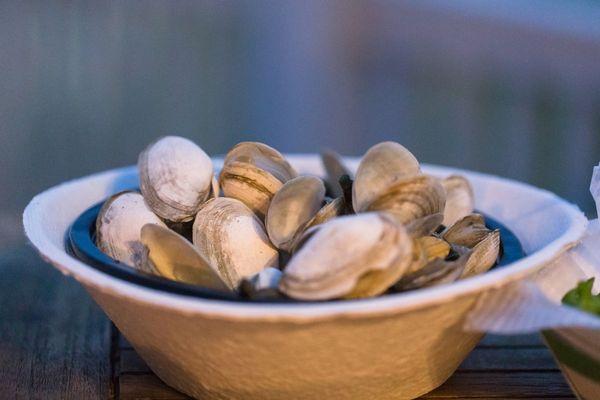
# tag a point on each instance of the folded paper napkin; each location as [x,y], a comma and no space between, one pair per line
[535,304]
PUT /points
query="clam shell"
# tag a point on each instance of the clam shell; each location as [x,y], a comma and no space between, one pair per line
[484,256]
[332,209]
[170,255]
[434,247]
[351,256]
[292,207]
[425,226]
[175,177]
[411,199]
[118,227]
[467,231]
[233,240]
[334,170]
[460,200]
[252,173]
[382,165]
[436,272]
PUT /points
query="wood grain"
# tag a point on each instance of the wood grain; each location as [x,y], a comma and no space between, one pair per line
[54,341]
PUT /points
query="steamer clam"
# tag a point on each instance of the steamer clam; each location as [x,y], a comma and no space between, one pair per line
[176,177]
[119,224]
[292,208]
[349,257]
[252,173]
[233,240]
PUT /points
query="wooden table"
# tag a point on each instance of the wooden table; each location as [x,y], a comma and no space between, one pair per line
[55,343]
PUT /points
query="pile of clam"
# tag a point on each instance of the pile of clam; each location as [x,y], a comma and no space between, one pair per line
[258,229]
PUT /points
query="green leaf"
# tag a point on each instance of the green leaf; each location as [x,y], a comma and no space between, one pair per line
[581,297]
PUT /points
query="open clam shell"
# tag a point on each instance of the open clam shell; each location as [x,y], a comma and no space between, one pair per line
[172,256]
[291,209]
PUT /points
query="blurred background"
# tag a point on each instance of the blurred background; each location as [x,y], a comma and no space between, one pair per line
[510,88]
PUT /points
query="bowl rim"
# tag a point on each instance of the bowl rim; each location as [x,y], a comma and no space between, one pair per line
[393,303]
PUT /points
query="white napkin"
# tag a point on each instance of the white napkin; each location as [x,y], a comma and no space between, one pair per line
[534,304]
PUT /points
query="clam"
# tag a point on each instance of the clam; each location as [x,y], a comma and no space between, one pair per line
[467,232]
[334,170]
[382,165]
[484,256]
[351,256]
[437,272]
[330,210]
[252,173]
[233,240]
[410,199]
[292,207]
[119,224]
[172,256]
[471,232]
[434,247]
[175,178]
[460,200]
[426,225]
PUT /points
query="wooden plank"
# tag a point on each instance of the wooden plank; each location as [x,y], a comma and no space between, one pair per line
[529,340]
[54,341]
[506,359]
[514,385]
[137,387]
[131,363]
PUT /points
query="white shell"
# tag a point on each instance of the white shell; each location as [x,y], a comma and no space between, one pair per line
[460,200]
[175,177]
[381,166]
[119,225]
[292,207]
[233,240]
[352,256]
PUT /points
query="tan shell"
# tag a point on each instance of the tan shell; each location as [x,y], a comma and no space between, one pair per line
[175,177]
[411,199]
[436,272]
[233,240]
[382,165]
[334,169]
[119,224]
[292,207]
[467,231]
[425,226]
[460,200]
[172,256]
[352,256]
[434,247]
[485,255]
[252,173]
[332,209]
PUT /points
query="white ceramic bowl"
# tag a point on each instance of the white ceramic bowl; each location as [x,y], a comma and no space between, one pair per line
[390,347]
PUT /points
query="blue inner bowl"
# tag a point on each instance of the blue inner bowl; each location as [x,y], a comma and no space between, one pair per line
[81,243]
